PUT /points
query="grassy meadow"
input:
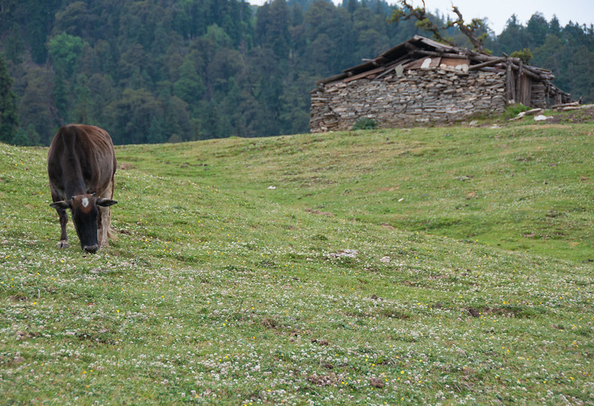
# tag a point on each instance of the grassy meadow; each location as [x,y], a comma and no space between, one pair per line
[418,266]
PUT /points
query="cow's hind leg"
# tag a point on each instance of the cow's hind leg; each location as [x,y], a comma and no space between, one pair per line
[110,230]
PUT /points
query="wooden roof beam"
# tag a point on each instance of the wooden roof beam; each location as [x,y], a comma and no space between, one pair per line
[441,54]
[485,64]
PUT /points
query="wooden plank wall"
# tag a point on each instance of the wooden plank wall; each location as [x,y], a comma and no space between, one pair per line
[519,86]
[526,91]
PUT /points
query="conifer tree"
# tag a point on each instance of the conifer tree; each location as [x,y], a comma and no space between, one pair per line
[9,116]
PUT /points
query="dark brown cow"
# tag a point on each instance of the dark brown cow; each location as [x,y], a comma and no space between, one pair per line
[81,165]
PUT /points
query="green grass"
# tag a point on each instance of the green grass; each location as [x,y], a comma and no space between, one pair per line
[422,266]
[522,188]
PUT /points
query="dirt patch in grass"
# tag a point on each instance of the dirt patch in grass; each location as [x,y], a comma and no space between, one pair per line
[584,115]
[547,125]
[507,311]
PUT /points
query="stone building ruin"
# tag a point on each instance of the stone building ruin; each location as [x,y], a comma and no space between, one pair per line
[424,82]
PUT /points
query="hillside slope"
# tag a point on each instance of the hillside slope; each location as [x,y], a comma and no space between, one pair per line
[221,290]
[522,188]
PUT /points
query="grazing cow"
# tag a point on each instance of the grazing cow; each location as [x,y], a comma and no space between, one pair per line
[81,165]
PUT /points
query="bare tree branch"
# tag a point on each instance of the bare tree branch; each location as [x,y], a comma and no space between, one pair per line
[407,11]
[469,29]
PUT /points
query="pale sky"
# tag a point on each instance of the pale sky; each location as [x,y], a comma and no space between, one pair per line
[499,11]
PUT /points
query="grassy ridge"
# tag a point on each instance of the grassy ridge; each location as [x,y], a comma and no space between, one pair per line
[331,288]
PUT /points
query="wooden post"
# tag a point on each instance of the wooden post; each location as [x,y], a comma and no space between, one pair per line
[510,83]
[527,91]
[519,84]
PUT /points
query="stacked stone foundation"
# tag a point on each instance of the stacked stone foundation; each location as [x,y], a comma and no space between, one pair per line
[419,97]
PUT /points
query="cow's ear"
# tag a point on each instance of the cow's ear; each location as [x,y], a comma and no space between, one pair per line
[61,205]
[105,202]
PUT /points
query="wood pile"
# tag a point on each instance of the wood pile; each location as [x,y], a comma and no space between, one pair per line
[567,106]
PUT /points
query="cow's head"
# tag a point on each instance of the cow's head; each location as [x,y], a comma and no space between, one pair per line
[85,214]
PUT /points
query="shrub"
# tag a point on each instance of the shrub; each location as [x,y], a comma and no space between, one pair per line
[525,55]
[365,124]
[513,110]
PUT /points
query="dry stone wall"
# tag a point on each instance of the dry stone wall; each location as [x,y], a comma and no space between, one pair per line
[410,98]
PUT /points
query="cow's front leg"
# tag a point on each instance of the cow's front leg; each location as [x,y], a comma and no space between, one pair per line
[103,224]
[63,222]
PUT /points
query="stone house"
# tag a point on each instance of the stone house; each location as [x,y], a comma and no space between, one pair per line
[424,82]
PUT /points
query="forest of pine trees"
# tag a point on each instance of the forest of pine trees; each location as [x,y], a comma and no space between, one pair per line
[153,71]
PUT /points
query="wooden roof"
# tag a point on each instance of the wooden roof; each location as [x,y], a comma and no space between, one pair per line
[419,47]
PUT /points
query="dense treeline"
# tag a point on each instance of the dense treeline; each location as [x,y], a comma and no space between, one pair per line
[155,71]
